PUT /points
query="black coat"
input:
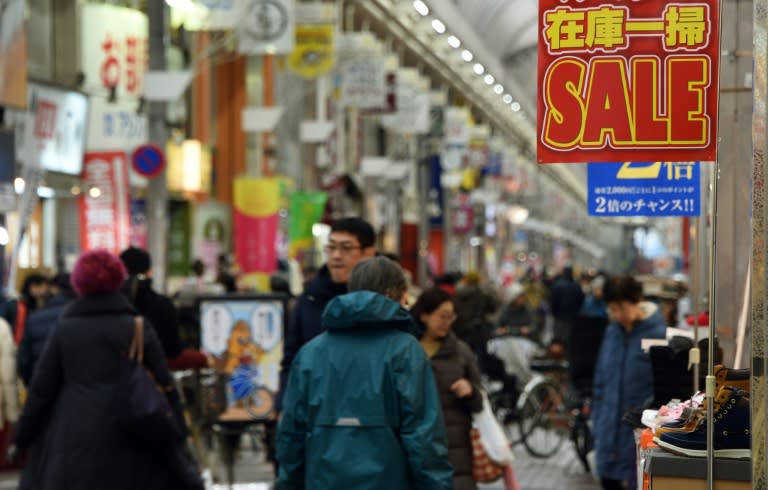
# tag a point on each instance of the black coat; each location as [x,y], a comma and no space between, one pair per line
[453,361]
[305,321]
[40,323]
[67,422]
[161,313]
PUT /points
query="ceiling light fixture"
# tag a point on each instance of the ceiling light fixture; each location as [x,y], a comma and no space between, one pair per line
[507,99]
[438,26]
[498,88]
[516,106]
[454,41]
[489,79]
[479,69]
[467,56]
[421,7]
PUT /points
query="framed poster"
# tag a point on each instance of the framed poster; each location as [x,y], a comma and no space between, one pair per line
[244,334]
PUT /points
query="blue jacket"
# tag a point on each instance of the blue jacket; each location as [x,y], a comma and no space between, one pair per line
[361,410]
[623,379]
[594,307]
[305,322]
[40,324]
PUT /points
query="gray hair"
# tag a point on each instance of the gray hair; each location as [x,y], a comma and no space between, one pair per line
[380,275]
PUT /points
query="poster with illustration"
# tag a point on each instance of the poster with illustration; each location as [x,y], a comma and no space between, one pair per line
[244,334]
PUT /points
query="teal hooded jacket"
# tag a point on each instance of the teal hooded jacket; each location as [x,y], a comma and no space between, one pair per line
[361,410]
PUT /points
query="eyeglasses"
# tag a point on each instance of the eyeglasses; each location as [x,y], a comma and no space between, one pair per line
[447,317]
[344,248]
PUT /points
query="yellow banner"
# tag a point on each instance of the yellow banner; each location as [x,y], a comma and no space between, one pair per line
[257,197]
[314,54]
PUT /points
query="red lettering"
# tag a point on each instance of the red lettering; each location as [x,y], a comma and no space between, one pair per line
[649,125]
[608,110]
[565,109]
[687,78]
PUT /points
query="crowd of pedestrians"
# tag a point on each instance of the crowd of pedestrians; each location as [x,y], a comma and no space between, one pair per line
[379,383]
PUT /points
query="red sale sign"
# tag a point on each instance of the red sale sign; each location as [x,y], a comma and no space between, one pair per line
[627,81]
[104,205]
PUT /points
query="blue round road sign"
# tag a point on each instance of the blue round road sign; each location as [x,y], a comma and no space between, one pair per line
[148,160]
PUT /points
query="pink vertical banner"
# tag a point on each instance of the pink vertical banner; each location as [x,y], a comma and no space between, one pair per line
[256,204]
[105,205]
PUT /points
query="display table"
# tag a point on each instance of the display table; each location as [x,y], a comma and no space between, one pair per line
[668,471]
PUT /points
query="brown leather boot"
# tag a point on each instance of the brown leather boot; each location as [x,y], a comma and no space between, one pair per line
[738,378]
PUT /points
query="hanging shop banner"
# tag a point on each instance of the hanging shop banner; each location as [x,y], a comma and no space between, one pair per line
[7,171]
[180,238]
[13,54]
[115,125]
[256,205]
[306,209]
[266,27]
[50,133]
[364,82]
[628,81]
[244,335]
[212,230]
[314,53]
[114,49]
[105,206]
[644,189]
[413,105]
[139,232]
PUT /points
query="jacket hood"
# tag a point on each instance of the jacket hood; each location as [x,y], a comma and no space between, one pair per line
[648,309]
[365,310]
[323,287]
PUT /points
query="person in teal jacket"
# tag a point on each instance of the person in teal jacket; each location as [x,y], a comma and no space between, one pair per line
[361,409]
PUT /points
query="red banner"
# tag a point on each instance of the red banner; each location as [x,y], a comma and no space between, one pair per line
[627,81]
[104,204]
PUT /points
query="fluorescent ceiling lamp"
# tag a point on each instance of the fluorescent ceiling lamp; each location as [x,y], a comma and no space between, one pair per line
[507,99]
[499,89]
[489,79]
[454,41]
[438,26]
[19,185]
[516,106]
[517,215]
[467,56]
[421,7]
[479,69]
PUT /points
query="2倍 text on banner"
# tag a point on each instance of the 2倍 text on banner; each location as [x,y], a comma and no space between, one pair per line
[627,81]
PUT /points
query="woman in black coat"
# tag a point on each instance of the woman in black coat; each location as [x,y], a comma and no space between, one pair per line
[68,421]
[457,378]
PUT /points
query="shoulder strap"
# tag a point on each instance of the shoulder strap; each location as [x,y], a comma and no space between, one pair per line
[137,343]
[21,321]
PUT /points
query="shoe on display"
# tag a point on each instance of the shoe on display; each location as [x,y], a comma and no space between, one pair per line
[739,378]
[732,439]
[692,417]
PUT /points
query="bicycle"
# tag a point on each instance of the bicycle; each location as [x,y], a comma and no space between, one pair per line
[546,413]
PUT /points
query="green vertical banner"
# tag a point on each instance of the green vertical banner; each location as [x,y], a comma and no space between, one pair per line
[306,209]
[180,238]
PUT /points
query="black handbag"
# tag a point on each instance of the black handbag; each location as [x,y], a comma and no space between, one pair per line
[142,407]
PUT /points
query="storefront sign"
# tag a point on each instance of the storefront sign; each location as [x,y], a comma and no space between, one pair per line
[115,126]
[50,133]
[114,49]
[627,81]
[644,189]
[314,53]
[13,54]
[104,205]
[256,204]
[363,82]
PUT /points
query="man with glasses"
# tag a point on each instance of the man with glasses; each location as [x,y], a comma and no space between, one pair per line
[351,241]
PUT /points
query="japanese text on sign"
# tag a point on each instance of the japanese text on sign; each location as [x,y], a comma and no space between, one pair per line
[644,189]
[618,80]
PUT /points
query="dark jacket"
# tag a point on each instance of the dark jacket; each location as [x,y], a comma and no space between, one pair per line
[473,307]
[161,313]
[515,318]
[40,323]
[452,362]
[305,323]
[567,298]
[361,410]
[67,422]
[623,380]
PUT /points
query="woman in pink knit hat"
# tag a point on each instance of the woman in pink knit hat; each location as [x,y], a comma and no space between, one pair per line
[68,422]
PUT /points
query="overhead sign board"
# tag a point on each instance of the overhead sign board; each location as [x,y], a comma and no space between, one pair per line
[650,189]
[627,81]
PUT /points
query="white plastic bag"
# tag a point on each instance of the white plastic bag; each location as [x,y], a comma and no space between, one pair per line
[492,436]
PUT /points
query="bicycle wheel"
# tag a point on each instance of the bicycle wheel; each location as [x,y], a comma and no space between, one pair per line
[259,403]
[544,419]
